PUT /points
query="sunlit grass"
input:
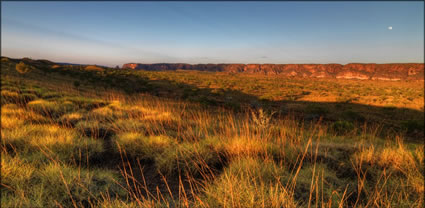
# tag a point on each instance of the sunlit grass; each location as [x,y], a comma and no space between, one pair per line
[83,148]
[250,182]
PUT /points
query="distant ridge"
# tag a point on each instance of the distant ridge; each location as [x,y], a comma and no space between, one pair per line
[72,64]
[368,71]
[63,63]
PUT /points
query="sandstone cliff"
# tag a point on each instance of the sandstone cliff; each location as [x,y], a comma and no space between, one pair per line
[393,72]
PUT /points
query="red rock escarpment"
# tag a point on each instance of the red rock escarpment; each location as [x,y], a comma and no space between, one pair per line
[393,72]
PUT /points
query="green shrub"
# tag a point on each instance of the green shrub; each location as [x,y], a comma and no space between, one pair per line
[342,127]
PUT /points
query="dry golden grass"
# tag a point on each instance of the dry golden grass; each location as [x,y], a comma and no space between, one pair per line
[82,148]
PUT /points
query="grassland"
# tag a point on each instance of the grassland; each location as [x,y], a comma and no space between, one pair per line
[87,136]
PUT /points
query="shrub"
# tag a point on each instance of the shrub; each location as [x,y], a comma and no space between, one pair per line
[342,127]
[76,84]
[261,119]
[23,68]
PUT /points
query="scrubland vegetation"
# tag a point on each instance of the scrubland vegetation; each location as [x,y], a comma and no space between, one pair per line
[87,136]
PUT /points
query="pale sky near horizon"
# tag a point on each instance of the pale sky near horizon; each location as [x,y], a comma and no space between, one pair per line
[114,33]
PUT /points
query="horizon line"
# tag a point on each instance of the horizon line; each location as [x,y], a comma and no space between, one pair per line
[293,63]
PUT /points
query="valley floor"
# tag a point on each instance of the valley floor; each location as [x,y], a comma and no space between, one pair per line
[71,144]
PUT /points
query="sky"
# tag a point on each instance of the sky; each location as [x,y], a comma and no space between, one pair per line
[114,33]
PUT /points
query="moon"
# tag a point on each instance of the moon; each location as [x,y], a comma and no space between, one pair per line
[390,28]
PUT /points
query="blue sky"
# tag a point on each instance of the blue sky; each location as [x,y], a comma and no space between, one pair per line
[113,33]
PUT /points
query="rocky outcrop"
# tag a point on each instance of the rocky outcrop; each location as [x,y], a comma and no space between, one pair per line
[392,72]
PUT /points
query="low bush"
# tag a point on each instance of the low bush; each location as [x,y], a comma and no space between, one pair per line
[23,68]
[342,127]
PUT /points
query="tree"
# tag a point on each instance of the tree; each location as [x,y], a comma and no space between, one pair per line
[23,68]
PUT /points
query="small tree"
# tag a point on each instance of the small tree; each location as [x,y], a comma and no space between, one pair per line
[23,68]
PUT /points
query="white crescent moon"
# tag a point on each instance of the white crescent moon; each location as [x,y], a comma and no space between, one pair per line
[390,28]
